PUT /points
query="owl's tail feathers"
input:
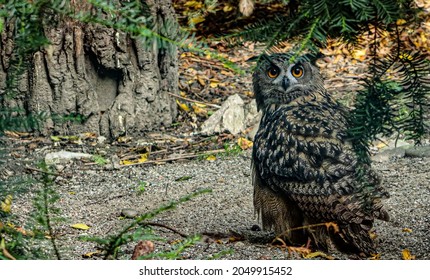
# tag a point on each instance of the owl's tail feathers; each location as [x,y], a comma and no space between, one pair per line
[379,212]
[355,238]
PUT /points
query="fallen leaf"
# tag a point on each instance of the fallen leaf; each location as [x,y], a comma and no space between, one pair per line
[359,54]
[201,81]
[227,8]
[90,254]
[6,204]
[199,111]
[400,21]
[124,139]
[141,159]
[183,106]
[407,230]
[375,257]
[197,20]
[211,158]
[244,143]
[406,255]
[318,254]
[80,226]
[143,247]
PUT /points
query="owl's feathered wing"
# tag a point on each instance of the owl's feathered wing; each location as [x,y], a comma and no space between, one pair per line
[306,173]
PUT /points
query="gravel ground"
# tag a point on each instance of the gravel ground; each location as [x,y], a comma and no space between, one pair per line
[97,197]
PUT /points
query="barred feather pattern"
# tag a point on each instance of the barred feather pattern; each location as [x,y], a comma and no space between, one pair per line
[305,170]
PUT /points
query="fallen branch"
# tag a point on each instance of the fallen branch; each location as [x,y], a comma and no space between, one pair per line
[195,101]
[42,171]
[187,156]
[166,227]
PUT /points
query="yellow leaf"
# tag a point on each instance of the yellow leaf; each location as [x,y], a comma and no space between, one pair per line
[406,255]
[80,226]
[318,254]
[401,21]
[214,83]
[183,106]
[227,8]
[359,54]
[200,111]
[193,4]
[143,157]
[6,204]
[244,143]
[407,230]
[197,20]
[211,158]
[200,105]
[381,145]
[124,139]
[90,254]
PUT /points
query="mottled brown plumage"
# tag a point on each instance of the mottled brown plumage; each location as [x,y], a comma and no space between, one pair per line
[305,171]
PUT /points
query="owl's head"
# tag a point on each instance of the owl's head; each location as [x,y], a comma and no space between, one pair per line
[278,80]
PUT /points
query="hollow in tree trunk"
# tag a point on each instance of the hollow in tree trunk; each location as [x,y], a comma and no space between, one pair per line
[117,85]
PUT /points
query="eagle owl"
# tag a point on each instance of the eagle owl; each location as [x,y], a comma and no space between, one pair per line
[305,172]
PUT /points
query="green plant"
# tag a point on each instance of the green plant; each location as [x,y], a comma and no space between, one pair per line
[142,187]
[37,239]
[311,23]
[99,160]
[139,230]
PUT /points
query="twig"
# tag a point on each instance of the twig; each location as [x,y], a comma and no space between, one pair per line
[42,171]
[195,101]
[187,156]
[164,226]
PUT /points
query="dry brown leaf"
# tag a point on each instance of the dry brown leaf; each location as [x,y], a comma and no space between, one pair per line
[244,143]
[143,247]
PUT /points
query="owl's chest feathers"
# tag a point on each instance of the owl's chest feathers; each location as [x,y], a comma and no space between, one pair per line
[302,141]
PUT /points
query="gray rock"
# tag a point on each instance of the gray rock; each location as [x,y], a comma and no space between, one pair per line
[233,117]
[388,154]
[63,157]
[418,151]
[101,140]
[229,118]
[129,213]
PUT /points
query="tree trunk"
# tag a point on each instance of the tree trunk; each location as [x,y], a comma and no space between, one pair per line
[112,81]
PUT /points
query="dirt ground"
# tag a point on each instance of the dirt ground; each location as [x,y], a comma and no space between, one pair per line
[97,196]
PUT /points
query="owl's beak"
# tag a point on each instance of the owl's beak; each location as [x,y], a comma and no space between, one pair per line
[285,83]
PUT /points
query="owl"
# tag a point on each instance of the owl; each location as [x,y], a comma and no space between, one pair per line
[306,175]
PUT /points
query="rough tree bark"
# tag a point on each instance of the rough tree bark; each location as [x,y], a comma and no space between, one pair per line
[113,81]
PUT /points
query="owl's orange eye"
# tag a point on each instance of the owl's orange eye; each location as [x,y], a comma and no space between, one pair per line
[273,72]
[297,71]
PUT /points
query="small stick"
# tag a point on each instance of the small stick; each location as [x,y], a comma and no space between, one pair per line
[176,158]
[41,171]
[164,226]
[195,101]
